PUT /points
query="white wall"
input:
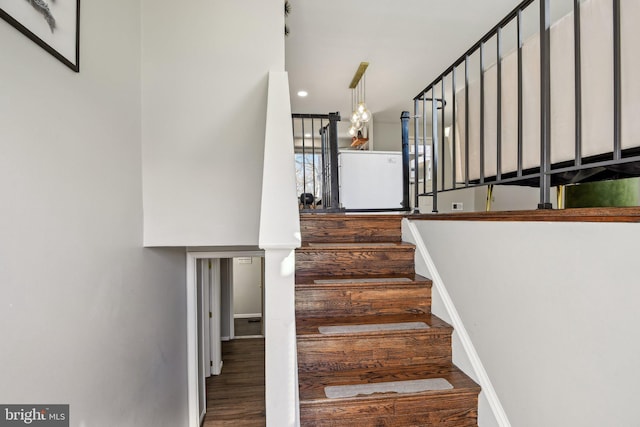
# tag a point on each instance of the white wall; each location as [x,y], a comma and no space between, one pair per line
[204,105]
[247,289]
[388,135]
[552,311]
[87,316]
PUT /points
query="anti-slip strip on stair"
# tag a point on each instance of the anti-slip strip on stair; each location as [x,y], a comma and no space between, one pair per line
[411,386]
[381,280]
[356,245]
[349,329]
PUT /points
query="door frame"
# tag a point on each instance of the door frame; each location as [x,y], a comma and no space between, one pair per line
[196,414]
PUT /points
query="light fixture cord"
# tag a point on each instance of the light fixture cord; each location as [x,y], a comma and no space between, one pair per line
[364,87]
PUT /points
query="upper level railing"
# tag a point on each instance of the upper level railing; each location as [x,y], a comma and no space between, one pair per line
[492,117]
[315,139]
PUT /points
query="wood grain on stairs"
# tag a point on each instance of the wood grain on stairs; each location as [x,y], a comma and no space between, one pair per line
[363,296]
[363,260]
[354,270]
[340,228]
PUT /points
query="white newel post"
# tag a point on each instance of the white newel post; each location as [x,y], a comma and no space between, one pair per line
[279,236]
[282,400]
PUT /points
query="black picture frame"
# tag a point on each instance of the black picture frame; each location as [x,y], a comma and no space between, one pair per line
[39,28]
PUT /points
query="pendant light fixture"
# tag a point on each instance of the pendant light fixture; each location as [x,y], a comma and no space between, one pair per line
[361,113]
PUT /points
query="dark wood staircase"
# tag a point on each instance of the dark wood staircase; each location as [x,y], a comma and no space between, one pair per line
[363,319]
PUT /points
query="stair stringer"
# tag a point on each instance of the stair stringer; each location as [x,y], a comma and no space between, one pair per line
[490,410]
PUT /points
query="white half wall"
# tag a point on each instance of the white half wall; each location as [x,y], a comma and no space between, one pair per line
[87,316]
[204,96]
[552,311]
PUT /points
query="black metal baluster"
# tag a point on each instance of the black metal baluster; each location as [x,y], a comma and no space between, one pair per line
[404,120]
[434,144]
[313,159]
[499,105]
[617,83]
[466,121]
[334,118]
[416,164]
[304,169]
[520,95]
[424,142]
[453,128]
[545,105]
[444,146]
[577,38]
[482,113]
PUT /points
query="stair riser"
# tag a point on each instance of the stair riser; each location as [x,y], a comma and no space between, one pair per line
[363,301]
[350,229]
[446,410]
[355,262]
[332,354]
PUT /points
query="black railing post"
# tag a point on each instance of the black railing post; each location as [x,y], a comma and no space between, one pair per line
[545,105]
[434,151]
[404,118]
[325,165]
[416,155]
[334,118]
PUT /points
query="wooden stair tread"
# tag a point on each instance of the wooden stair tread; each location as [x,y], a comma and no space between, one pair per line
[312,385]
[343,227]
[308,328]
[328,282]
[370,246]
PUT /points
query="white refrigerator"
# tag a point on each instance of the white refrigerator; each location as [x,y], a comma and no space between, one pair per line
[370,179]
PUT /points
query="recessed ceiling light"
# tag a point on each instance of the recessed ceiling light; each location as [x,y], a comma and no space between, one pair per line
[302,93]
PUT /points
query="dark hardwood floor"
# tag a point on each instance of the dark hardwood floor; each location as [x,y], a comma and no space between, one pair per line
[247,327]
[236,396]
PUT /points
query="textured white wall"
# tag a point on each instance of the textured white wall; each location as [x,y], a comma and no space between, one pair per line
[87,316]
[552,311]
[205,66]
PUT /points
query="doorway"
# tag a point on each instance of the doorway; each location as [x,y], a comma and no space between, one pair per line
[205,321]
[247,280]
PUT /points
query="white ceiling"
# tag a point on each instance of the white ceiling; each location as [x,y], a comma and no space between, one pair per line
[408,43]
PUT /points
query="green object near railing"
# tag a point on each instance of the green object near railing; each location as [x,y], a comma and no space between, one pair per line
[617,193]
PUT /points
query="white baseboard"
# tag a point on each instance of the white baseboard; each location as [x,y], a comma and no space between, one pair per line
[225,338]
[247,315]
[456,321]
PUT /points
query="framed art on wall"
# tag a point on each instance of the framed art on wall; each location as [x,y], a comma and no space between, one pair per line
[52,24]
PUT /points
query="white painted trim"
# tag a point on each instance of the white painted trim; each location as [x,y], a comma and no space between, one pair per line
[215,348]
[244,337]
[481,374]
[192,326]
[192,342]
[247,315]
[206,322]
[229,275]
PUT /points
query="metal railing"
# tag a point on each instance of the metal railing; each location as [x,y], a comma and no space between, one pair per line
[440,104]
[316,152]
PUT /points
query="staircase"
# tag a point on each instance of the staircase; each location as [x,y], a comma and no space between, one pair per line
[370,353]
